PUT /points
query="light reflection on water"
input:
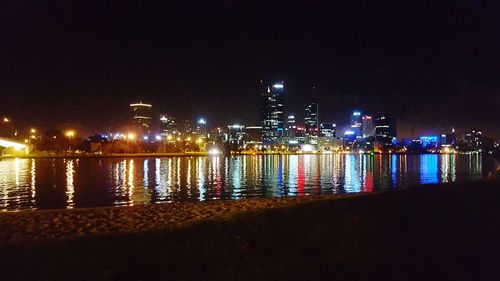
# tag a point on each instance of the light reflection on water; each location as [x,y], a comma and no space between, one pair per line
[90,182]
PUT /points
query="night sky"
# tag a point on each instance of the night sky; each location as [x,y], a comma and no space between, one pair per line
[433,64]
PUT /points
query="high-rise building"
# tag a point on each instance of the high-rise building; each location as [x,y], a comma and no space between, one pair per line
[168,125]
[311,120]
[328,130]
[385,128]
[201,127]
[356,124]
[236,135]
[141,117]
[449,138]
[272,113]
[367,124]
[474,138]
[290,126]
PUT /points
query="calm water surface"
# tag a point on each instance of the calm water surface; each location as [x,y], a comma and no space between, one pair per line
[90,182]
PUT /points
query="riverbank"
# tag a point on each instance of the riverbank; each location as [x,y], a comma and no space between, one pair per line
[194,154]
[447,232]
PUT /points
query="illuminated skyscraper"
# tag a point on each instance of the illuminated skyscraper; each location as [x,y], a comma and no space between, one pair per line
[311,121]
[385,128]
[367,124]
[141,117]
[236,135]
[201,127]
[328,130]
[290,126]
[272,113]
[356,124]
[168,125]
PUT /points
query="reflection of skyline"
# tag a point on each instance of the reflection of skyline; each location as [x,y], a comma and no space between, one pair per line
[24,182]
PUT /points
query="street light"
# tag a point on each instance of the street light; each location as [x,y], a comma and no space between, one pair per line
[6,120]
[70,134]
[130,137]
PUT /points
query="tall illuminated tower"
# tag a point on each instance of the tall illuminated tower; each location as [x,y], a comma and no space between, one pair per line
[141,117]
[311,120]
[272,113]
[385,128]
[356,124]
[367,123]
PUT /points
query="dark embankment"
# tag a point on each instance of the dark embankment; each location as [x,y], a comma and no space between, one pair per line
[446,232]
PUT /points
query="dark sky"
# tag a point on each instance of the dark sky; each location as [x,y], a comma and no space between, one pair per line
[433,64]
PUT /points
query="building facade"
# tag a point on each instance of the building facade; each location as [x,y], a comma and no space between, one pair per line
[272,113]
[385,128]
[356,125]
[367,125]
[311,120]
[141,117]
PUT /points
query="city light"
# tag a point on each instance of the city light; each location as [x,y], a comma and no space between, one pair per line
[70,133]
[33,131]
[214,151]
[278,86]
[140,104]
[16,145]
[131,136]
[6,120]
[158,137]
[202,121]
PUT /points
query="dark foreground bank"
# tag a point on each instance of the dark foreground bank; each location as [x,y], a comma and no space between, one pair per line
[445,232]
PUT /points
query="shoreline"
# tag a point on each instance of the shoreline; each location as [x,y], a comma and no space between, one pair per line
[202,154]
[53,224]
[447,231]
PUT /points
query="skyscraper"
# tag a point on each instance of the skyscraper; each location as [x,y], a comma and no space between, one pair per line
[311,121]
[168,125]
[272,113]
[141,117]
[385,128]
[356,124]
[201,127]
[367,124]
[290,126]
[328,130]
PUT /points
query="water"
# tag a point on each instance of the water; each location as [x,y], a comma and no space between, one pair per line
[90,182]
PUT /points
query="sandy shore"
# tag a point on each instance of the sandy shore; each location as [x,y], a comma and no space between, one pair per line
[54,224]
[441,232]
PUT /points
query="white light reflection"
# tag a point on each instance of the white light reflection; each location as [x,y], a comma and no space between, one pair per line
[145,179]
[33,180]
[70,187]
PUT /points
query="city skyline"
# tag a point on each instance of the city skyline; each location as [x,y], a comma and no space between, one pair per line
[82,66]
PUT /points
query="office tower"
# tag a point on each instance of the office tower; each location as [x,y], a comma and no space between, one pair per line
[367,125]
[449,138]
[168,125]
[474,138]
[311,120]
[385,128]
[290,126]
[141,117]
[236,135]
[201,127]
[356,124]
[328,130]
[272,113]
